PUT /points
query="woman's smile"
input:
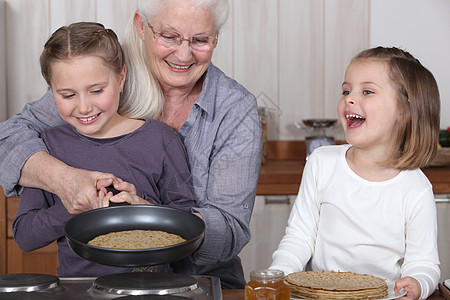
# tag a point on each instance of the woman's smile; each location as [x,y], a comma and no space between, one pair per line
[178,68]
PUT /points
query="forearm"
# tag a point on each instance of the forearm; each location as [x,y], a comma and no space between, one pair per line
[43,171]
[20,139]
[31,233]
[428,275]
[76,188]
[421,257]
[228,207]
[39,221]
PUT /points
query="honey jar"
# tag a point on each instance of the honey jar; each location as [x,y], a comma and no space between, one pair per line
[267,284]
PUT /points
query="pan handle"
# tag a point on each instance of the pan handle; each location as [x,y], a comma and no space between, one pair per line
[110,188]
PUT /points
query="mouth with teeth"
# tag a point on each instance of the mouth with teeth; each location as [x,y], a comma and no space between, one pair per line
[178,67]
[354,120]
[88,120]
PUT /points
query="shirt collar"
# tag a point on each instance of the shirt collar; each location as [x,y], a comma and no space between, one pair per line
[204,100]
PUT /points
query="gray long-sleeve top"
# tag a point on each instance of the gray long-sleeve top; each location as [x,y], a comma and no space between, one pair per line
[223,140]
[153,158]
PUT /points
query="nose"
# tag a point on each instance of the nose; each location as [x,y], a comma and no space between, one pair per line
[84,105]
[349,98]
[184,50]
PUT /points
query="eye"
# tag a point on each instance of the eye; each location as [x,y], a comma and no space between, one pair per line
[200,39]
[169,36]
[345,93]
[98,91]
[67,96]
[367,92]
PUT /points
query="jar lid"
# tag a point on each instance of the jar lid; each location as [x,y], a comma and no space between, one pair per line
[266,274]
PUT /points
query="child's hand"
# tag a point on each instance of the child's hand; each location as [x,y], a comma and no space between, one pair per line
[411,286]
[127,194]
[124,196]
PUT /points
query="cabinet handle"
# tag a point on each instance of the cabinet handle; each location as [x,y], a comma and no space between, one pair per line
[442,198]
[277,200]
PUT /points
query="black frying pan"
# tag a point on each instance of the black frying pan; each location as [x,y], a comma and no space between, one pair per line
[81,228]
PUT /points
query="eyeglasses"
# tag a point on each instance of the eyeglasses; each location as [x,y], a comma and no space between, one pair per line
[170,39]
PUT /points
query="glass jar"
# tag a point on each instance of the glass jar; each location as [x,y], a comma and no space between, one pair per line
[267,284]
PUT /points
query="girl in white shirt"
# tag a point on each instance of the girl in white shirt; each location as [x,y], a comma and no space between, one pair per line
[366,207]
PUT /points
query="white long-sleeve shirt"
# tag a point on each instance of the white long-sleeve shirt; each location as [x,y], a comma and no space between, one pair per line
[343,222]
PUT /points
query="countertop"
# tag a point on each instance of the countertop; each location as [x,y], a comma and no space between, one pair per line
[282,172]
[240,295]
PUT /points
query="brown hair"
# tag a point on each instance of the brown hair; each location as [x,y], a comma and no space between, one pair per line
[419,107]
[81,39]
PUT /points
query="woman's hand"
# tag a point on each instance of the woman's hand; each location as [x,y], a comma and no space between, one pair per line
[410,285]
[79,189]
[76,188]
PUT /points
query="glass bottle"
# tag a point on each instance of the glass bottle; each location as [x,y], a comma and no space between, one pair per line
[267,285]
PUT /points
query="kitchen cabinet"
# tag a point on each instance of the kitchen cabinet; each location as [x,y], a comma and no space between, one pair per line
[267,225]
[44,260]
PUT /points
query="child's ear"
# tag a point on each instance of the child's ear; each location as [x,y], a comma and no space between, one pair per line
[122,77]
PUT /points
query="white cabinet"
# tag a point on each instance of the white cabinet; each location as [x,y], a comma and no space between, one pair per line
[269,220]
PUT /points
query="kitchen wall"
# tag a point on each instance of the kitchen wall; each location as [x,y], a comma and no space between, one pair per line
[291,54]
[3,113]
[421,27]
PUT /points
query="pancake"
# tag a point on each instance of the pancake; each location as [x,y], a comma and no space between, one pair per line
[136,239]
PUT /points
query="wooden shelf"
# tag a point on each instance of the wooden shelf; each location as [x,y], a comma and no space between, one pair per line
[282,172]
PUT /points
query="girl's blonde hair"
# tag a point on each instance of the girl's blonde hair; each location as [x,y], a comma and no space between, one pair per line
[418,100]
[142,93]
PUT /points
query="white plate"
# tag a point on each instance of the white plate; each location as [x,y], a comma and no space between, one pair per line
[391,295]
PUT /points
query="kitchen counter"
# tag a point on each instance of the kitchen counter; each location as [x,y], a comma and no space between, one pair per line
[240,295]
[282,172]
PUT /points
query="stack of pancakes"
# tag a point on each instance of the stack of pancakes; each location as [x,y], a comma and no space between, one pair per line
[336,285]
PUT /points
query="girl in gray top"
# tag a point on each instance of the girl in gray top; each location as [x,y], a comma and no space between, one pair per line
[83,64]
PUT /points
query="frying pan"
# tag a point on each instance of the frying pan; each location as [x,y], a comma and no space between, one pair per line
[81,228]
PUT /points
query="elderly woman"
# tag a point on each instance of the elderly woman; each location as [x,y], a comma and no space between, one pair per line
[169,45]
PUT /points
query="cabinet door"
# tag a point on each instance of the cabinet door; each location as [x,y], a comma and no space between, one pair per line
[44,260]
[268,223]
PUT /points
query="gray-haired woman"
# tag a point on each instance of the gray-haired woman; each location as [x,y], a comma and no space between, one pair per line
[169,46]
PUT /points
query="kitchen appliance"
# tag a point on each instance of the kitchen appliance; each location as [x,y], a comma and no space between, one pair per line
[157,286]
[317,136]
